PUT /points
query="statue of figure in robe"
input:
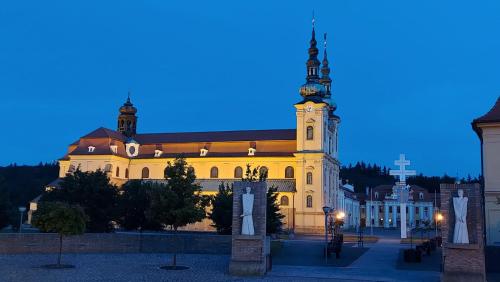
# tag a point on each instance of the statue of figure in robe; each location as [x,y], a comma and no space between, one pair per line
[460,235]
[247,225]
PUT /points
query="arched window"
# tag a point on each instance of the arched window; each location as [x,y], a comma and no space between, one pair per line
[238,172]
[145,172]
[309,201]
[126,173]
[117,171]
[284,201]
[263,170]
[309,178]
[421,196]
[289,172]
[376,195]
[108,168]
[310,133]
[214,172]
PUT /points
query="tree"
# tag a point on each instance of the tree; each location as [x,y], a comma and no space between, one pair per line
[134,206]
[93,192]
[273,215]
[179,202]
[5,208]
[222,210]
[60,218]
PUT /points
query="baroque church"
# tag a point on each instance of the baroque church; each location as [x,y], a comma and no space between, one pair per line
[301,162]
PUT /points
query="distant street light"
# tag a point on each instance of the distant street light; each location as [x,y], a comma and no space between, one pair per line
[21,211]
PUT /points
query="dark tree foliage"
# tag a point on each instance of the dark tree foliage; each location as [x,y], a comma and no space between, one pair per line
[60,218]
[6,209]
[222,209]
[24,183]
[274,217]
[134,206]
[93,192]
[179,202]
[363,175]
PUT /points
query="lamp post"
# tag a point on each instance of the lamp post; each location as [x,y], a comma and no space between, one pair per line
[439,218]
[326,210]
[21,211]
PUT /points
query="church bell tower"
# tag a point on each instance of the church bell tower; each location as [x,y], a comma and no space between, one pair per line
[127,120]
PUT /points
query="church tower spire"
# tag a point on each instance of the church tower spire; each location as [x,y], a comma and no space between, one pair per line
[313,63]
[127,120]
[325,72]
[312,89]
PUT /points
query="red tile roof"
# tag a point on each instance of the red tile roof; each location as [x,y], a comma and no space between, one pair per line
[216,136]
[492,116]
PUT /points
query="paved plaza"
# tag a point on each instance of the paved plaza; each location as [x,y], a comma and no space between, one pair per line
[378,263]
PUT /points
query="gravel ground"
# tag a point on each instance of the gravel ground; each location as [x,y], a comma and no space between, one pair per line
[123,267]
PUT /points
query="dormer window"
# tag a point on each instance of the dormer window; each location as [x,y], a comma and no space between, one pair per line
[114,149]
[203,152]
[91,149]
[251,151]
[158,153]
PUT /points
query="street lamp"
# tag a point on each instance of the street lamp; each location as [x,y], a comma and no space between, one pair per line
[326,210]
[439,218]
[21,211]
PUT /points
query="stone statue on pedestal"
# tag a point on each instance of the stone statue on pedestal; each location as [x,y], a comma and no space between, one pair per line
[247,224]
[460,235]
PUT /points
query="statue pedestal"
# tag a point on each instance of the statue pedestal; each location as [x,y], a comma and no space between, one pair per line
[250,253]
[463,262]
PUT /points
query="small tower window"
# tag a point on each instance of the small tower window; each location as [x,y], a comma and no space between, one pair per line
[145,172]
[421,196]
[238,172]
[310,133]
[284,201]
[309,178]
[214,172]
[309,201]
[376,195]
[289,173]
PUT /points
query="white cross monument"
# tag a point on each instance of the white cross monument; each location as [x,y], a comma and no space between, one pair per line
[402,189]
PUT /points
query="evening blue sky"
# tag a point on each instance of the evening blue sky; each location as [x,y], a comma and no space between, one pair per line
[409,76]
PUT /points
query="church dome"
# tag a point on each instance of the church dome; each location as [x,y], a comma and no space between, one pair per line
[128,108]
[312,88]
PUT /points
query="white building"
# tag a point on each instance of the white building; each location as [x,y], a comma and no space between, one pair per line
[381,207]
[349,204]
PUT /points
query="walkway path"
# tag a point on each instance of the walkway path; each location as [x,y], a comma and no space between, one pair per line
[377,264]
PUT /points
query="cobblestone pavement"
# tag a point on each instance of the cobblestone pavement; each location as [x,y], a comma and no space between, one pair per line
[125,267]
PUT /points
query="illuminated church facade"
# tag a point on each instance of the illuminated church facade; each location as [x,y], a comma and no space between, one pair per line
[302,162]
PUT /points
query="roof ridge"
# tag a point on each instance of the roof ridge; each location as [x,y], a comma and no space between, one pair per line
[219,131]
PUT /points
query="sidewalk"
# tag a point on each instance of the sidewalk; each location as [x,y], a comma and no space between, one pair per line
[377,264]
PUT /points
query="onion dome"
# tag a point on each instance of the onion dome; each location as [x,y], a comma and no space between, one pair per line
[128,108]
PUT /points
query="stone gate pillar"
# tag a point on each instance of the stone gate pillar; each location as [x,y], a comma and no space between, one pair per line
[249,253]
[463,262]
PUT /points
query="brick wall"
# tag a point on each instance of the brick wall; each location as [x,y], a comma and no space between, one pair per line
[463,258]
[115,243]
